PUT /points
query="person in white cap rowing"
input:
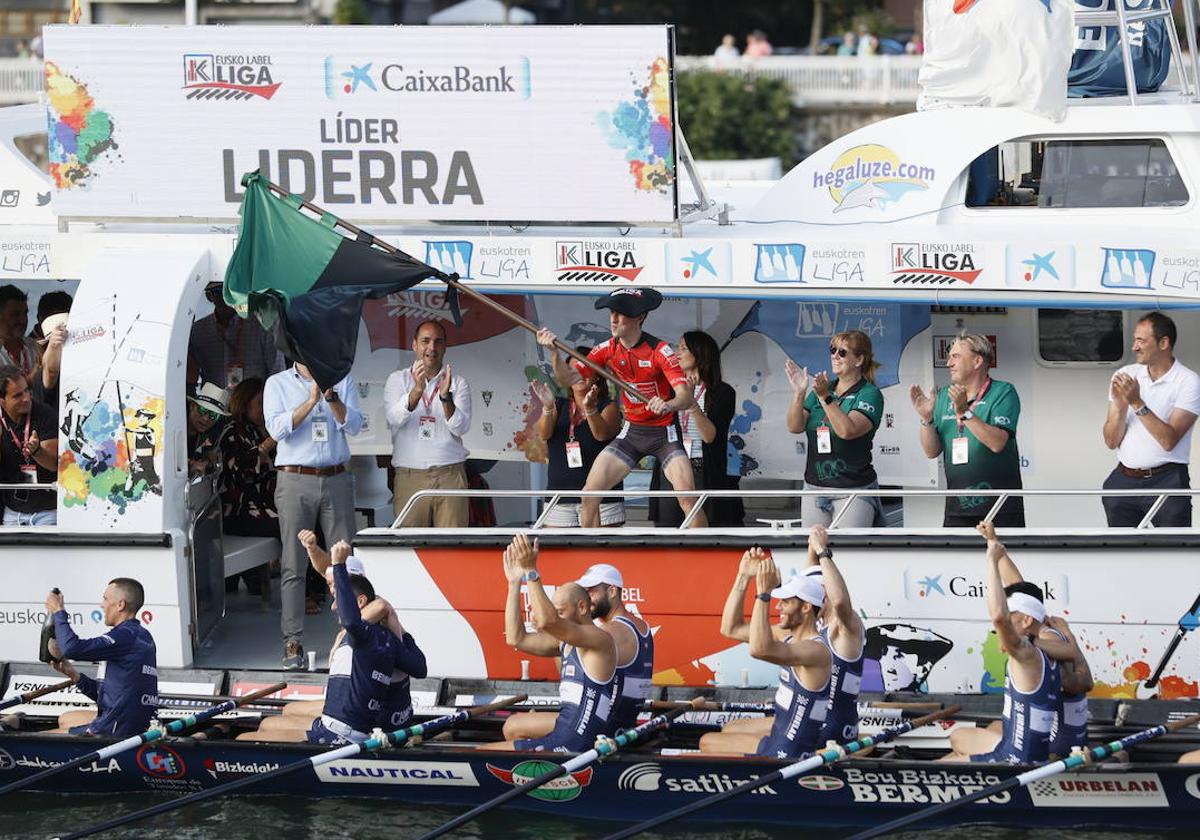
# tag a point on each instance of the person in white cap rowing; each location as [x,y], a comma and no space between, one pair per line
[635,655]
[795,644]
[1033,681]
[651,426]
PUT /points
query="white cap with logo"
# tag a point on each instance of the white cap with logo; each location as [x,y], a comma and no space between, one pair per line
[806,587]
[601,573]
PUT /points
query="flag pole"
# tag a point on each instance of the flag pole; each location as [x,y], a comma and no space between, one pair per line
[451,281]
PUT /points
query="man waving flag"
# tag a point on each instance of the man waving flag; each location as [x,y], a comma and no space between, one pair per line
[306,283]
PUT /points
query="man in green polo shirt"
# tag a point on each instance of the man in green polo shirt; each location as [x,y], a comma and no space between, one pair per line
[973,423]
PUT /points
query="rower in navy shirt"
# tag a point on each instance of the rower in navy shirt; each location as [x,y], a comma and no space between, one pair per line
[802,699]
[1033,682]
[590,677]
[127,697]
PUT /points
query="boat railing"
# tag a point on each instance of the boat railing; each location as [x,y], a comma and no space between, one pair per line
[827,79]
[21,80]
[1001,496]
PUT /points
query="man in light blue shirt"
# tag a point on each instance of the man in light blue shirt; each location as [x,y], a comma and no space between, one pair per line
[311,429]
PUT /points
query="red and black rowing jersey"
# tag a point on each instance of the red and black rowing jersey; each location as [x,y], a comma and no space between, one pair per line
[650,366]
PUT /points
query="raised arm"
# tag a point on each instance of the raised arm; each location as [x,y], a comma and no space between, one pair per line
[515,634]
[1009,573]
[763,643]
[546,617]
[317,556]
[1118,410]
[549,416]
[1017,647]
[733,616]
[565,374]
[797,414]
[838,611]
[924,404]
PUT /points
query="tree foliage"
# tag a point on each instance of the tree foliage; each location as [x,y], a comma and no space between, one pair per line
[350,11]
[728,116]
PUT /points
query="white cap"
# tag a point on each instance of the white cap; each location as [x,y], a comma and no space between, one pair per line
[805,587]
[212,396]
[601,573]
[50,322]
[1023,602]
[811,571]
[355,566]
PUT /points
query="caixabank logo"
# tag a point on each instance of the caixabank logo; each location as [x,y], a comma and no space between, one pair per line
[350,76]
[212,76]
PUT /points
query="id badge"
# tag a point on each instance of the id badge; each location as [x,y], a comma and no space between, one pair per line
[824,441]
[320,431]
[672,435]
[234,375]
[958,451]
[29,473]
[692,446]
[427,421]
[574,454]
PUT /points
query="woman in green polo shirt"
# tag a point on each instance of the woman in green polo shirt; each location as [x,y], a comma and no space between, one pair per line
[839,416]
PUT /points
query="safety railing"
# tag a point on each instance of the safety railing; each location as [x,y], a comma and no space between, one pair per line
[555,497]
[21,80]
[827,79]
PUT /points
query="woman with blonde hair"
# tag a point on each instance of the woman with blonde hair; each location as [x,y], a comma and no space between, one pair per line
[839,416]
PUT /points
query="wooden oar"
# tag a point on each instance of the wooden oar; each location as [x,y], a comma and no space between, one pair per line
[154,734]
[707,706]
[1071,762]
[604,747]
[827,756]
[389,739]
[35,694]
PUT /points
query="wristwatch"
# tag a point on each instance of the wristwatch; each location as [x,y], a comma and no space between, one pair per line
[449,398]
[968,415]
[530,576]
[829,398]
[333,397]
[765,597]
[1143,411]
[826,554]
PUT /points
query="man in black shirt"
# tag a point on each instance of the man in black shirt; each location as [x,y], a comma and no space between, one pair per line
[28,451]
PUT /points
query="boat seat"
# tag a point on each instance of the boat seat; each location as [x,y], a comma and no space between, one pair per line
[245,553]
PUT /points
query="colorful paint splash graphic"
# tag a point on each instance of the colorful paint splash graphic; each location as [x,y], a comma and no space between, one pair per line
[738,460]
[79,131]
[641,127]
[96,461]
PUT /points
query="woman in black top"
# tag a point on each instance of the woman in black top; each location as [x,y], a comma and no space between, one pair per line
[576,429]
[704,432]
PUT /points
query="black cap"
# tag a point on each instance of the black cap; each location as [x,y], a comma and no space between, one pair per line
[631,302]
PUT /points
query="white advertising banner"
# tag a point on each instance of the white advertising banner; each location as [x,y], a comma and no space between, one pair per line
[519,124]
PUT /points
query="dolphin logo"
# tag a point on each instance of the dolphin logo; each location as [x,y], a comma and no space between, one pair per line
[867,194]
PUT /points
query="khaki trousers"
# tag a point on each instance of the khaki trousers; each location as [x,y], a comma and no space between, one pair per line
[438,511]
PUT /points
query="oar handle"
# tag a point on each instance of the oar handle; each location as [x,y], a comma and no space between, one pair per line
[925,720]
[46,689]
[246,699]
[504,703]
[1183,724]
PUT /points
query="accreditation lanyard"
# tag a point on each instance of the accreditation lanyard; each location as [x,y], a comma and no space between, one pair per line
[427,421]
[28,467]
[824,434]
[574,450]
[691,444]
[959,450]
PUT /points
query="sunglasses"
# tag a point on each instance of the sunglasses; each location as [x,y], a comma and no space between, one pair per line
[840,352]
[209,413]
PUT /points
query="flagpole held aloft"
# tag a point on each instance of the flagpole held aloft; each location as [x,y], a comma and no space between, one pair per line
[360,237]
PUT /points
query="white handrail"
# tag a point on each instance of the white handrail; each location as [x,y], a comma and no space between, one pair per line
[21,80]
[827,79]
[702,496]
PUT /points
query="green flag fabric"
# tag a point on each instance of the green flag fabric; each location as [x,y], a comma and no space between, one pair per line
[306,283]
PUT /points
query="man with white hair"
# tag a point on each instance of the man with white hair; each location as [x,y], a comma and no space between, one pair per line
[973,425]
[795,644]
[1033,681]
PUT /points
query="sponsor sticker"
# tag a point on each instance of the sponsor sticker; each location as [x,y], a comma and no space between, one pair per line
[649,776]
[162,762]
[821,783]
[596,261]
[563,789]
[6,761]
[212,76]
[375,772]
[1094,790]
[872,177]
[934,263]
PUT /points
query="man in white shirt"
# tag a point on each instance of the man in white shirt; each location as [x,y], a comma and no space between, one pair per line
[428,411]
[1152,407]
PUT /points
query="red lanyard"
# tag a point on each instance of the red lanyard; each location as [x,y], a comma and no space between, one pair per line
[685,419]
[20,443]
[987,384]
[572,422]
[427,401]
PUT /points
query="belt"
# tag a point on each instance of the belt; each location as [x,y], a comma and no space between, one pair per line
[1146,472]
[321,471]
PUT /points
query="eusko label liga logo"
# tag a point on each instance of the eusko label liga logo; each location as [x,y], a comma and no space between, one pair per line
[211,76]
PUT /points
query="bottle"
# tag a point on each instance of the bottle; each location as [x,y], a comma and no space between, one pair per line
[44,653]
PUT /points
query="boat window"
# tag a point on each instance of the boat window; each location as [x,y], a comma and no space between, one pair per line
[1081,335]
[1076,173]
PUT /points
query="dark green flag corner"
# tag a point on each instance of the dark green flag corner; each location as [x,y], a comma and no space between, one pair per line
[306,283]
